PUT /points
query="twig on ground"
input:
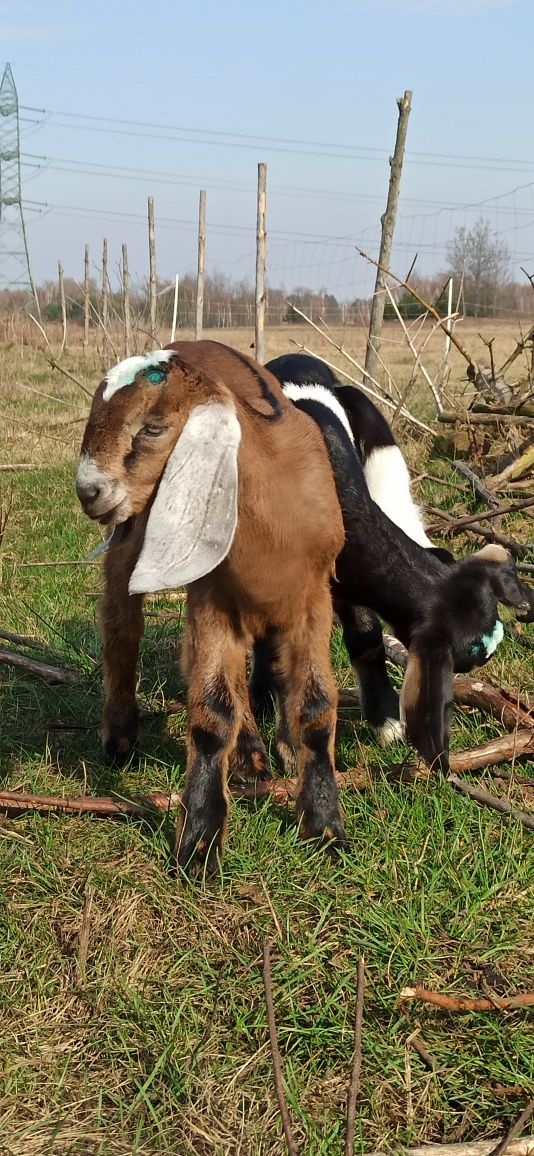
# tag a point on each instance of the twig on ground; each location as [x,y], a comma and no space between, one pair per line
[516,1128]
[83,937]
[477,484]
[458,524]
[493,535]
[466,1003]
[524,1147]
[354,1085]
[22,640]
[496,804]
[20,466]
[52,674]
[275,1052]
[425,1056]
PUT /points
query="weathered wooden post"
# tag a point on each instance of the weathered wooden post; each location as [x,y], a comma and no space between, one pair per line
[126,303]
[261,250]
[388,226]
[201,268]
[152,295]
[86,302]
[61,285]
[104,307]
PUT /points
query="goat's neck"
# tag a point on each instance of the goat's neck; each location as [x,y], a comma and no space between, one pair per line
[382,568]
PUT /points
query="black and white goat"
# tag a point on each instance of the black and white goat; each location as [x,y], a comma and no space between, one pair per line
[443,610]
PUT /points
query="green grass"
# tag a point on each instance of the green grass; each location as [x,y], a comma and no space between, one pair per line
[164,1047]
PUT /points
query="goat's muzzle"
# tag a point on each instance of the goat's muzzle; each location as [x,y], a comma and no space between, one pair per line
[103,498]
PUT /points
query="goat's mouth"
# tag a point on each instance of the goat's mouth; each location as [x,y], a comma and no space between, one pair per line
[115,516]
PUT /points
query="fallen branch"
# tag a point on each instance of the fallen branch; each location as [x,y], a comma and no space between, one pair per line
[449,417]
[21,466]
[83,937]
[518,549]
[51,674]
[477,484]
[524,1147]
[496,804]
[356,1068]
[516,1128]
[275,1052]
[458,524]
[466,1003]
[22,640]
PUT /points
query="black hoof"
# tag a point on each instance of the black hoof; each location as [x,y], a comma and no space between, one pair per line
[250,760]
[119,740]
[199,840]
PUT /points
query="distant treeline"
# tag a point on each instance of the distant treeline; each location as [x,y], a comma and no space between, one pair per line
[230,303]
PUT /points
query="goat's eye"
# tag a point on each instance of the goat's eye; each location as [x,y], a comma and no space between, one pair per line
[152,430]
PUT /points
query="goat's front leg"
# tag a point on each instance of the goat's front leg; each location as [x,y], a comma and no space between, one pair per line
[121,624]
[249,759]
[215,664]
[311,706]
[363,638]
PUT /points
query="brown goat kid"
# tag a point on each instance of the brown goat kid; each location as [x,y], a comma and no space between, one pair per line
[211,478]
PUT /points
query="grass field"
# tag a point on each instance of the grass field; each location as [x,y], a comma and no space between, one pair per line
[162,1045]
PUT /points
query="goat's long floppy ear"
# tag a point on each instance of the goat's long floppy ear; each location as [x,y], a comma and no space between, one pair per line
[504,580]
[193,518]
[426,701]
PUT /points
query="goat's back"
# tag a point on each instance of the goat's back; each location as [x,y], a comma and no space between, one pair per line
[290,526]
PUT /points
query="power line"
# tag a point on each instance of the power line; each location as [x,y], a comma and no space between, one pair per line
[225,139]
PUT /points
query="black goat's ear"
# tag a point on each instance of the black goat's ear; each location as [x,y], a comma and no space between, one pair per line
[426,700]
[505,581]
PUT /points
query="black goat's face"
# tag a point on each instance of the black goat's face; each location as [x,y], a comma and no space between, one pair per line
[461,630]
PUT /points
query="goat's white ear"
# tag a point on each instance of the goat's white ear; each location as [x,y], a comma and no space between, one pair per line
[426,701]
[193,518]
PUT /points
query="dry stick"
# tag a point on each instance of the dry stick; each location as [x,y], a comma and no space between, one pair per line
[497,512]
[425,1056]
[354,1085]
[417,360]
[21,466]
[466,1003]
[516,1128]
[496,804]
[22,640]
[51,674]
[280,791]
[55,364]
[275,1051]
[476,483]
[449,417]
[61,283]
[425,304]
[382,396]
[83,937]
[524,1147]
[493,535]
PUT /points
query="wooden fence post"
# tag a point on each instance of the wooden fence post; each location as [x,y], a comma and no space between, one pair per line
[126,303]
[61,283]
[261,249]
[388,226]
[105,289]
[175,307]
[152,259]
[201,270]
[86,302]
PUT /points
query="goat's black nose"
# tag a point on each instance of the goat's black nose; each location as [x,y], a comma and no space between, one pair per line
[87,491]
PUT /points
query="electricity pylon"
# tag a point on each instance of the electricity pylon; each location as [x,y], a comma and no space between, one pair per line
[15,269]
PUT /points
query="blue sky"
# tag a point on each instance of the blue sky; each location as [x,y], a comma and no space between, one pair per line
[320,80]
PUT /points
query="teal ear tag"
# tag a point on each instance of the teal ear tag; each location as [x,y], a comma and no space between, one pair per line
[155,376]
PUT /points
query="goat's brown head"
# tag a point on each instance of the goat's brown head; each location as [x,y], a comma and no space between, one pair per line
[164,436]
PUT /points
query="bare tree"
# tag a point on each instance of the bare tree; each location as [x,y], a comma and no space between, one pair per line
[483,260]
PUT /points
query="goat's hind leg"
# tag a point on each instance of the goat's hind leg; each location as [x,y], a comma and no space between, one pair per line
[362,635]
[216,661]
[311,711]
[121,627]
